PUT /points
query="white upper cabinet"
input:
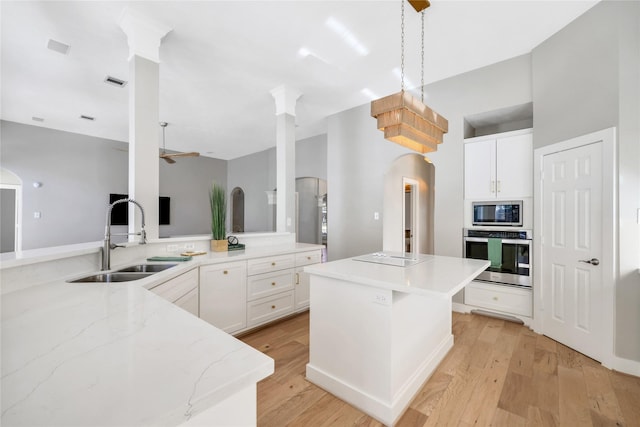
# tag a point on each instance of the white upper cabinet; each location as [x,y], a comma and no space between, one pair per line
[499,166]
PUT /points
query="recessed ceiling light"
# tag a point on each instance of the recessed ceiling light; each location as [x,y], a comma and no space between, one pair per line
[58,46]
[115,81]
[87,117]
[37,119]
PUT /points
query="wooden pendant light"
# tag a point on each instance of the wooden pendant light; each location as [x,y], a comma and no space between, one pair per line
[406,120]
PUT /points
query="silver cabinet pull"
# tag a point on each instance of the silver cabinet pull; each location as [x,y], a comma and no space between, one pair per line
[592,261]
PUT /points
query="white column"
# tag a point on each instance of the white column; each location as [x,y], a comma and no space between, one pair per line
[144,36]
[285,98]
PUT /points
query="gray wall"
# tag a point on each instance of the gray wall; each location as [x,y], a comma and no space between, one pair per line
[251,173]
[78,172]
[359,156]
[187,182]
[256,173]
[586,78]
[311,157]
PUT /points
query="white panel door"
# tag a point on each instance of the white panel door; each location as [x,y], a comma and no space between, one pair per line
[572,289]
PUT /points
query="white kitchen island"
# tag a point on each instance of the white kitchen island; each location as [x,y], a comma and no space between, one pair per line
[378,329]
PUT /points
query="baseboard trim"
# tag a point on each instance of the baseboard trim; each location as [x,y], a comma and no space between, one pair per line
[382,410]
[626,366]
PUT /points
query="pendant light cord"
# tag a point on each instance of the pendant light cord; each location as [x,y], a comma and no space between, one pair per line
[422,63]
[402,51]
[402,46]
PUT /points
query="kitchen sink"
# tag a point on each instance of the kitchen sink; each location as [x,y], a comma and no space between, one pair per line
[145,268]
[112,277]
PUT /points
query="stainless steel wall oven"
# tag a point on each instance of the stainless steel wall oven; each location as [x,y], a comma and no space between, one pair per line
[509,252]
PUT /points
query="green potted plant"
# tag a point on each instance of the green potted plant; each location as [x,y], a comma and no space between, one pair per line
[218,218]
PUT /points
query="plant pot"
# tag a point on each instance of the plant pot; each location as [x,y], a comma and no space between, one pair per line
[219,245]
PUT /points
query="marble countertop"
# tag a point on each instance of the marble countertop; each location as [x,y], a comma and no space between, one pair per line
[114,354]
[428,275]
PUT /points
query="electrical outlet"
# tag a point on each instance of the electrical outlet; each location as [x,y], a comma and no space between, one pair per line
[189,246]
[37,215]
[172,248]
[376,216]
[382,299]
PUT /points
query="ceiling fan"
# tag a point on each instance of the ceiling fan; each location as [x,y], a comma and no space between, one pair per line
[168,157]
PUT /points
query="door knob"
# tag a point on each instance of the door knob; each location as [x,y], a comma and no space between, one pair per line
[592,261]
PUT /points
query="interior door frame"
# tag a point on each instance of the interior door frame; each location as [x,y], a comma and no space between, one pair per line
[415,231]
[18,215]
[609,230]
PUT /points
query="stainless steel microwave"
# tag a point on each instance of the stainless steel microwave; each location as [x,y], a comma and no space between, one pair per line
[498,213]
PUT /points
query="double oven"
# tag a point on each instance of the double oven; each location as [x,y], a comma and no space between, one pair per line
[497,236]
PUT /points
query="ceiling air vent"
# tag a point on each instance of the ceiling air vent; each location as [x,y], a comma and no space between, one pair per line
[58,46]
[115,81]
[87,117]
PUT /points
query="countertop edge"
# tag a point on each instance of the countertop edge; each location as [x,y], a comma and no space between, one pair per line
[324,270]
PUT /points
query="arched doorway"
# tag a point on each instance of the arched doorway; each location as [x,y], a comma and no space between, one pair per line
[237,210]
[408,205]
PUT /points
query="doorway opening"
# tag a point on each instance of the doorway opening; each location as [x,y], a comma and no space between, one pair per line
[11,212]
[410,215]
[237,210]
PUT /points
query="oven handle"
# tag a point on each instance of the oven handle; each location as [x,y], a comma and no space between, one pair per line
[508,241]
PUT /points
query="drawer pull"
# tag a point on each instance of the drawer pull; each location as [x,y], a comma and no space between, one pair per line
[495,298]
[273,264]
[309,258]
[273,283]
[297,278]
[273,307]
[225,272]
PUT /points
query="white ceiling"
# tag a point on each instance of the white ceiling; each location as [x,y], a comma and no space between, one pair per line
[222,58]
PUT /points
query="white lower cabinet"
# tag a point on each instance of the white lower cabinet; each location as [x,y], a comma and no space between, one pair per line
[181,291]
[270,288]
[223,295]
[301,289]
[240,295]
[269,308]
[263,285]
[190,302]
[302,278]
[505,299]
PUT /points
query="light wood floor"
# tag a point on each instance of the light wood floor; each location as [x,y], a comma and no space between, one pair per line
[497,373]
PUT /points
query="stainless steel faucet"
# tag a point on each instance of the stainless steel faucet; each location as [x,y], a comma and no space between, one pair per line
[106,249]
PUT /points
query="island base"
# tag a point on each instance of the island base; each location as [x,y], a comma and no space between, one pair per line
[372,347]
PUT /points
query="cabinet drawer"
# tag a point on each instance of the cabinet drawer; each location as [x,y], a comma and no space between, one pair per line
[506,299]
[266,284]
[308,258]
[177,287]
[269,308]
[269,264]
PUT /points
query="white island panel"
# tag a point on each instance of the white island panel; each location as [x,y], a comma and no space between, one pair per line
[378,331]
